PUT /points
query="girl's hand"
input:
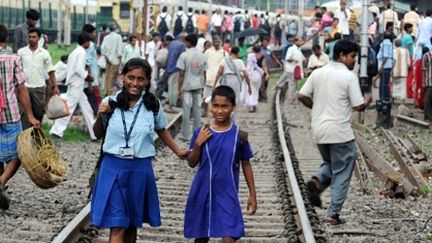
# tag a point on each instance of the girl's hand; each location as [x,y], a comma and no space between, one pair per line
[182,153]
[251,204]
[203,135]
[103,109]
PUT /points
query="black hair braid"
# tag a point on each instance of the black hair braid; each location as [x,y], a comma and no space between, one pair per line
[150,101]
[122,100]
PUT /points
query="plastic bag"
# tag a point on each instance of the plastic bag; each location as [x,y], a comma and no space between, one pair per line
[57,108]
[161,57]
[297,73]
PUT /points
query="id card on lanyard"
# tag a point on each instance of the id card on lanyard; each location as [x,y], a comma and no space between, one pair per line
[128,152]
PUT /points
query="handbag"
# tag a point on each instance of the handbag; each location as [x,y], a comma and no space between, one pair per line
[297,72]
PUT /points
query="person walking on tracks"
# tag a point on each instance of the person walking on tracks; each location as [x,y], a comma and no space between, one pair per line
[77,76]
[332,92]
[192,65]
[12,87]
[125,194]
[213,208]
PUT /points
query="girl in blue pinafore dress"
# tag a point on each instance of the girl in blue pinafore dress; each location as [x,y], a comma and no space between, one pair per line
[213,208]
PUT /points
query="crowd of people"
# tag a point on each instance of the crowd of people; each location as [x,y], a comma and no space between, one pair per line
[179,72]
[398,55]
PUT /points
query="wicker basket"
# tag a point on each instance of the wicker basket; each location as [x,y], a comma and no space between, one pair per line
[39,158]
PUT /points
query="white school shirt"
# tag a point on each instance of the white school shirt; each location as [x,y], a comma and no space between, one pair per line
[76,72]
[335,90]
[36,66]
[167,19]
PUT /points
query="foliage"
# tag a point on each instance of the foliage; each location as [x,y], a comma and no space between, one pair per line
[57,51]
[71,135]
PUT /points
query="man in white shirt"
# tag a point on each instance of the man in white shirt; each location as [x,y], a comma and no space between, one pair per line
[294,57]
[318,59]
[37,67]
[151,49]
[424,33]
[216,22]
[112,49]
[343,14]
[77,75]
[214,57]
[332,92]
[131,50]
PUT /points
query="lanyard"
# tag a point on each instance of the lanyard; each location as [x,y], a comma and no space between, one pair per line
[126,133]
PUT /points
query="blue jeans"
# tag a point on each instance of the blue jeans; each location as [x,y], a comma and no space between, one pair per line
[384,89]
[191,99]
[336,172]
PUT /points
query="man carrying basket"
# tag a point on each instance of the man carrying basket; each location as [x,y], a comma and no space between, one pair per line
[11,80]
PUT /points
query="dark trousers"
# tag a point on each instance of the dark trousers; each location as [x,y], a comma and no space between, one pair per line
[94,98]
[162,85]
[263,91]
[384,89]
[38,103]
[428,103]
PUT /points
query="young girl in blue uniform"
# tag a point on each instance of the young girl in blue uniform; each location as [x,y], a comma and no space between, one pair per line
[125,194]
[213,208]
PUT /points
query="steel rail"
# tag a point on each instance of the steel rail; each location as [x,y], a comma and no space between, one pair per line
[304,219]
[73,230]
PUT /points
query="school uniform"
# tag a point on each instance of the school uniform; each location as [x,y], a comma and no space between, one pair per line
[125,194]
[213,208]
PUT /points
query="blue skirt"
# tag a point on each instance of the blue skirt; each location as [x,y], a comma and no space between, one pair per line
[125,194]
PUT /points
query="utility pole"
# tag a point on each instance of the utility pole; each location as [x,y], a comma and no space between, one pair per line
[145,18]
[59,26]
[86,12]
[364,40]
[301,13]
[364,49]
[67,23]
[131,16]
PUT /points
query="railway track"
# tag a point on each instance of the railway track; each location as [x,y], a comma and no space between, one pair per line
[281,217]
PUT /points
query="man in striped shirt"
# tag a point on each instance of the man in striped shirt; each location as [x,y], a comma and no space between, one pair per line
[11,80]
[427,85]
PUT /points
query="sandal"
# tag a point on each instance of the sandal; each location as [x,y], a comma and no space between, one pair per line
[334,220]
[4,199]
[314,192]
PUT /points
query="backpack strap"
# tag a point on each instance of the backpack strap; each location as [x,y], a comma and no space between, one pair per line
[241,141]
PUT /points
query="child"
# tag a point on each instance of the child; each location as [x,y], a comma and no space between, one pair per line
[213,208]
[125,194]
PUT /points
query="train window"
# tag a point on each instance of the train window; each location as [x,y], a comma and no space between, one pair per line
[124,10]
[106,11]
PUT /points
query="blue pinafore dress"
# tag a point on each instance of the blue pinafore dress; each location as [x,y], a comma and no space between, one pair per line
[213,208]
